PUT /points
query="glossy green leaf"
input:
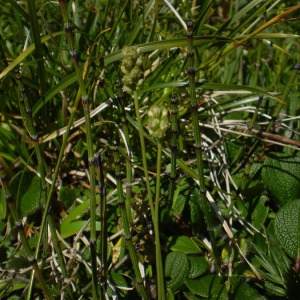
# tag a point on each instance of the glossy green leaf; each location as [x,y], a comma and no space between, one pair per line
[183,244]
[198,266]
[282,177]
[208,287]
[177,269]
[287,227]
[26,189]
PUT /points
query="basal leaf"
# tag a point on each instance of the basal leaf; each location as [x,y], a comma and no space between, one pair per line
[177,269]
[287,227]
[282,177]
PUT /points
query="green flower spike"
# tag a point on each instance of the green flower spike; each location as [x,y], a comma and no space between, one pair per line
[132,69]
[158,121]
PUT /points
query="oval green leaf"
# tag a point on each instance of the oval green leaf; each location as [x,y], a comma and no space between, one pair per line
[26,190]
[209,287]
[177,269]
[242,290]
[282,177]
[67,196]
[198,266]
[287,227]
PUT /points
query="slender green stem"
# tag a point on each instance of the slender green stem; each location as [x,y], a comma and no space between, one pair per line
[174,130]
[91,162]
[128,152]
[257,65]
[60,256]
[127,232]
[159,264]
[203,202]
[38,45]
[154,211]
[102,191]
[56,171]
[143,148]
[91,23]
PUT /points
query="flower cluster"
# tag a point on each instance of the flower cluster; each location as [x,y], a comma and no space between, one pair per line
[132,69]
[158,121]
